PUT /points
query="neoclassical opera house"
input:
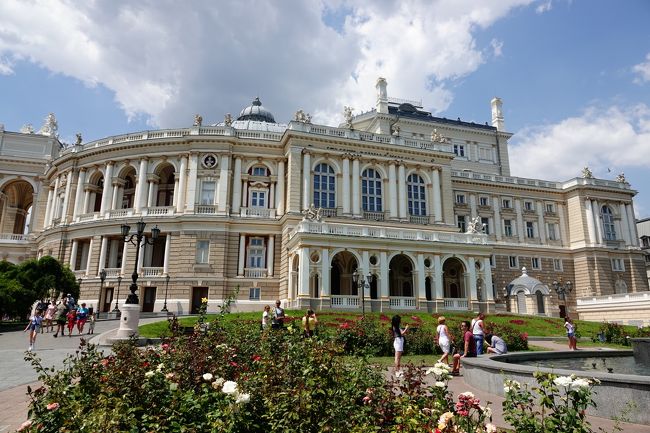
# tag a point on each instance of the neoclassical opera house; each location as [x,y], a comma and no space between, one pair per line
[394,208]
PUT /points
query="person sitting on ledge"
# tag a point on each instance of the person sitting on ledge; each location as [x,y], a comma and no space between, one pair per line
[496,344]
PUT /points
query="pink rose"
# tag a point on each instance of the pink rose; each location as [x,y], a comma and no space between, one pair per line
[53,406]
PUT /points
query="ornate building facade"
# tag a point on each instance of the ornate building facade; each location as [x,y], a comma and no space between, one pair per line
[423,209]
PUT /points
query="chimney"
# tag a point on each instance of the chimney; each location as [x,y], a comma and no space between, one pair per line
[497,114]
[382,96]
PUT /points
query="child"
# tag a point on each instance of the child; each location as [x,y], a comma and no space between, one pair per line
[72,317]
[34,326]
[91,324]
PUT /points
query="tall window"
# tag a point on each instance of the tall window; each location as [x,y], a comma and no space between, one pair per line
[207,192]
[460,198]
[324,186]
[507,227]
[530,229]
[483,201]
[608,223]
[552,231]
[486,225]
[506,204]
[256,253]
[371,191]
[259,171]
[417,201]
[461,223]
[258,199]
[459,150]
[202,251]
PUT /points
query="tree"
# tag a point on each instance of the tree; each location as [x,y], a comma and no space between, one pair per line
[24,284]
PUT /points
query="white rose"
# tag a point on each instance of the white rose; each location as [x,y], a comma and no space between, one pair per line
[564,381]
[440,384]
[148,374]
[243,398]
[229,387]
[207,377]
[467,394]
[580,383]
[490,428]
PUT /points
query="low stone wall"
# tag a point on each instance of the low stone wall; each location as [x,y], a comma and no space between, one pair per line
[611,397]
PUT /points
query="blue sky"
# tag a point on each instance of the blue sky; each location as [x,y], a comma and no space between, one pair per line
[574,75]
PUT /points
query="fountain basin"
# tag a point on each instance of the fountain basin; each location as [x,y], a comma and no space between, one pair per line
[641,349]
[611,395]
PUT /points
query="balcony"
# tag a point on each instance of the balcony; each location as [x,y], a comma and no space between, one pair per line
[88,216]
[373,216]
[255,272]
[14,238]
[402,302]
[345,301]
[329,212]
[148,272]
[205,209]
[158,210]
[113,272]
[120,213]
[459,304]
[254,212]
[419,219]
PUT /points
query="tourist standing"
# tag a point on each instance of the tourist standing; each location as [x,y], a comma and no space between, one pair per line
[469,347]
[91,323]
[443,340]
[72,318]
[278,316]
[478,331]
[398,341]
[60,316]
[265,317]
[496,344]
[570,332]
[50,316]
[309,322]
[82,316]
[34,326]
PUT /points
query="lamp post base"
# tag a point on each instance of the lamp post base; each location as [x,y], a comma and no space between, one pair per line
[128,322]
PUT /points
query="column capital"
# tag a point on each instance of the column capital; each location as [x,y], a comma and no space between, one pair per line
[117,181]
[144,158]
[83,169]
[110,162]
[152,177]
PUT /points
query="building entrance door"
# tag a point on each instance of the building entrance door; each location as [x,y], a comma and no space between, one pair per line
[108,298]
[149,299]
[198,293]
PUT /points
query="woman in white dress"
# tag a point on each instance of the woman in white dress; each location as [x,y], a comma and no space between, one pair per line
[443,340]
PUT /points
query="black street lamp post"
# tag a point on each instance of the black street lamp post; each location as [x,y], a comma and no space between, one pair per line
[164,308]
[140,239]
[117,298]
[359,280]
[102,278]
[562,289]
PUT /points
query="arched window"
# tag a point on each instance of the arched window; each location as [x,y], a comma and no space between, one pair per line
[324,187]
[371,191]
[417,200]
[608,223]
[259,170]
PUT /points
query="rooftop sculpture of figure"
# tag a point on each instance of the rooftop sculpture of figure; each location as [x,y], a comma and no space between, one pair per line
[586,173]
[621,178]
[303,117]
[198,120]
[79,139]
[50,126]
[227,120]
[347,115]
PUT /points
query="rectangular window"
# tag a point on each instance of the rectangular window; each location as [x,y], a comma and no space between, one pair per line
[506,203]
[207,192]
[552,231]
[258,199]
[486,225]
[461,223]
[483,201]
[618,265]
[528,205]
[259,171]
[513,262]
[254,293]
[535,263]
[256,253]
[507,227]
[459,150]
[493,262]
[530,229]
[557,265]
[460,198]
[202,251]
[550,208]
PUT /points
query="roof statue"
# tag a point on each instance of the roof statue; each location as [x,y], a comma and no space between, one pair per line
[586,173]
[227,119]
[303,117]
[437,137]
[312,214]
[79,139]
[27,129]
[198,120]
[50,127]
[621,178]
[347,115]
[475,225]
[395,130]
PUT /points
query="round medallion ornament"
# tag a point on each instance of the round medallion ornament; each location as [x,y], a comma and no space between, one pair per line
[209,161]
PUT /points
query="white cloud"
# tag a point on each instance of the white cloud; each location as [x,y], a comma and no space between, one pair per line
[613,138]
[168,60]
[544,7]
[643,71]
[6,66]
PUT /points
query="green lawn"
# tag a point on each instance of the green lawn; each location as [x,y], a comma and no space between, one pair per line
[532,325]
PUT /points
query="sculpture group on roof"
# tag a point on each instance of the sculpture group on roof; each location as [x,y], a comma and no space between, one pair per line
[303,117]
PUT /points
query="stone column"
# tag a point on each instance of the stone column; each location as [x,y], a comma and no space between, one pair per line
[472,206]
[472,278]
[345,193]
[632,224]
[236,186]
[244,195]
[422,292]
[102,254]
[73,254]
[599,224]
[270,252]
[168,246]
[401,192]
[107,192]
[90,256]
[540,222]
[280,196]
[384,289]
[437,204]
[306,180]
[224,177]
[55,201]
[498,224]
[66,197]
[151,196]
[87,194]
[47,221]
[392,190]
[242,255]
[356,199]
[562,228]
[487,279]
[125,253]
[116,202]
[438,282]
[521,228]
[191,182]
[78,200]
[625,230]
[140,187]
[303,276]
[182,181]
[325,291]
[141,258]
[589,217]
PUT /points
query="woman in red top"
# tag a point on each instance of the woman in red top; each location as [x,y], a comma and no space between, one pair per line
[469,347]
[72,318]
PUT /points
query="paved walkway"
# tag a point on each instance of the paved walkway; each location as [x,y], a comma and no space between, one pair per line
[16,375]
